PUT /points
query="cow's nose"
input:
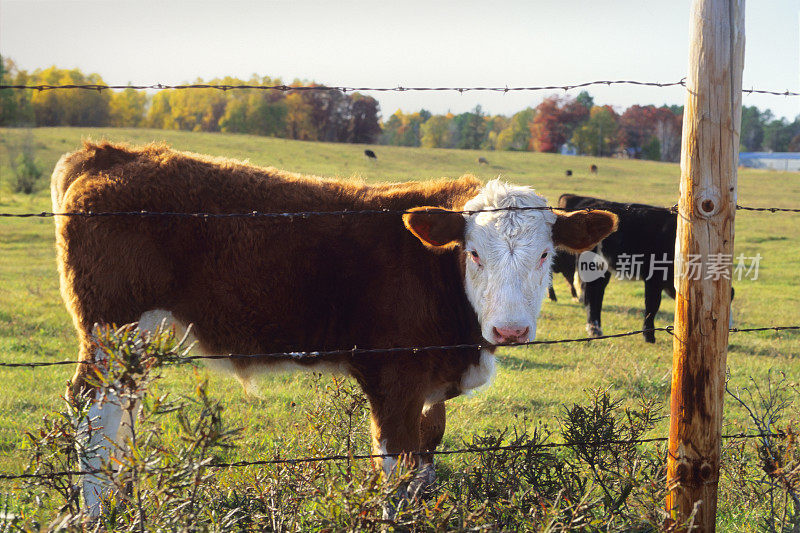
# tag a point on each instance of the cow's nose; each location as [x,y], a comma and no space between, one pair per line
[511,334]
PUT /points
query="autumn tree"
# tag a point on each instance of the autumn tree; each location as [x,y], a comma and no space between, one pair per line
[159,115]
[364,119]
[494,125]
[668,127]
[127,108]
[69,107]
[555,121]
[517,133]
[585,99]
[637,129]
[8,105]
[436,132]
[598,135]
[23,114]
[298,118]
[404,129]
[468,130]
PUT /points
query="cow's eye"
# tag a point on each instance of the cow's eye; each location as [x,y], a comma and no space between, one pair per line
[475,257]
[541,259]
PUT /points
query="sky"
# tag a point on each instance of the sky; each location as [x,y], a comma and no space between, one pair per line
[403,43]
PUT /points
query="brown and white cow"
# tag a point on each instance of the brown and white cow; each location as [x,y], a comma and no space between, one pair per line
[260,285]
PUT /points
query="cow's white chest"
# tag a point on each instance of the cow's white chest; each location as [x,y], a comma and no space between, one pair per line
[479,375]
[474,377]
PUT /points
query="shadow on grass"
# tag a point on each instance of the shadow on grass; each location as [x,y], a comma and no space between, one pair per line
[662,315]
[765,351]
[513,362]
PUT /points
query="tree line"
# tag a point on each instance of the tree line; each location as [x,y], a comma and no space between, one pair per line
[559,123]
[576,125]
[331,116]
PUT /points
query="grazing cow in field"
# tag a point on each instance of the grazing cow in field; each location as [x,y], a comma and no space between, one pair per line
[483,161]
[370,154]
[593,169]
[433,276]
[643,248]
[568,173]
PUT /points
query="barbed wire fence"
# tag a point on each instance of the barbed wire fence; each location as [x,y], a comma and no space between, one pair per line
[306,214]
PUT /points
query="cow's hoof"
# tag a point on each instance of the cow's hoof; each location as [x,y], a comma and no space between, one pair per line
[422,484]
[594,330]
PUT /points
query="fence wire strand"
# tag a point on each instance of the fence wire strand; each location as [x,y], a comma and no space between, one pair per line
[342,88]
[346,212]
[346,457]
[346,89]
[321,354]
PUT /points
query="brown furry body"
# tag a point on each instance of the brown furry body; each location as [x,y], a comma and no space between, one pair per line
[259,285]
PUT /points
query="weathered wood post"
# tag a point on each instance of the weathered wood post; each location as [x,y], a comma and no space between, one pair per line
[704,249]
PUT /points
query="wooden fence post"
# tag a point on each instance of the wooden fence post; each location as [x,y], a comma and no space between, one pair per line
[704,253]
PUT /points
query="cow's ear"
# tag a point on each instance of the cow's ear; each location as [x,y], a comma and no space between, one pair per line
[579,231]
[439,229]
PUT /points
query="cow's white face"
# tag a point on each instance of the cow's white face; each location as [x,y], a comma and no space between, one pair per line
[508,253]
[508,260]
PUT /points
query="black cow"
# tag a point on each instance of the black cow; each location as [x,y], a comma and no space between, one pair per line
[370,154]
[643,248]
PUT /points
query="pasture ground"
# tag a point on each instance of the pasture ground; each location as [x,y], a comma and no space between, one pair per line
[533,384]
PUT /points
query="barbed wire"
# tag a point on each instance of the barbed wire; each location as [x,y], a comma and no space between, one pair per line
[307,214]
[322,354]
[341,88]
[349,212]
[346,457]
[345,89]
[769,209]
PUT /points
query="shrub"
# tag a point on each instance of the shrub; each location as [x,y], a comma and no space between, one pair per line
[26,172]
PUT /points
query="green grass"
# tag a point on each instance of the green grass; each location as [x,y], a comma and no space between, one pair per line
[533,382]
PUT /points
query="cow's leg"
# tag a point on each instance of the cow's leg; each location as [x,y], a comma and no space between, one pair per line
[395,424]
[432,426]
[551,293]
[593,293]
[652,303]
[396,416]
[97,436]
[670,288]
[578,289]
[110,421]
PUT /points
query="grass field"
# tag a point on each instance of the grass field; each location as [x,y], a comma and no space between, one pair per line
[532,384]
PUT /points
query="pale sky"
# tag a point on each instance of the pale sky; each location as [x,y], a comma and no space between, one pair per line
[410,42]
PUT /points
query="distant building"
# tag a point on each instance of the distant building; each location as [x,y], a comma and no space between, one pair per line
[789,161]
[568,149]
